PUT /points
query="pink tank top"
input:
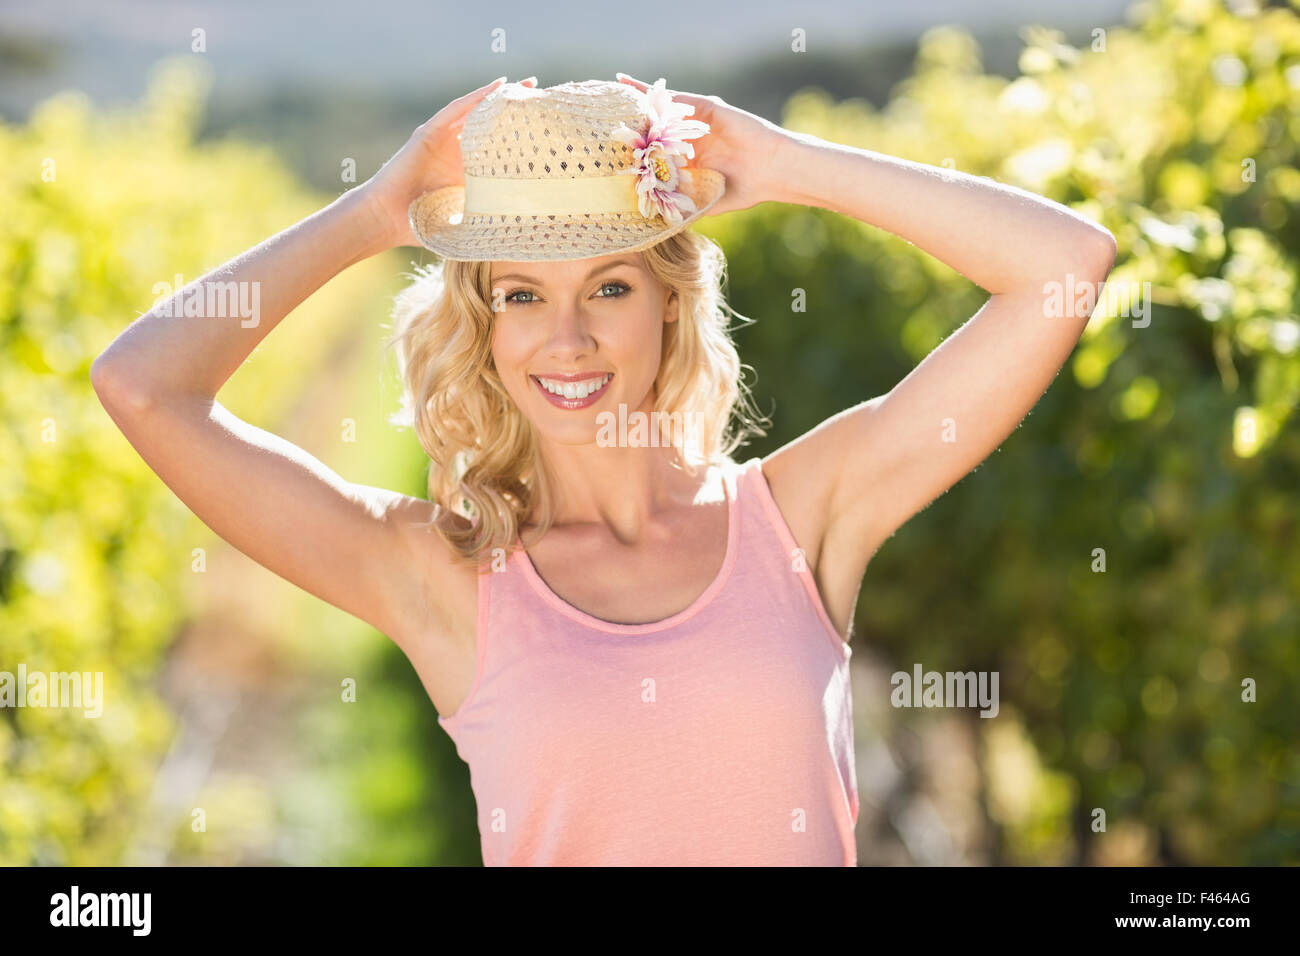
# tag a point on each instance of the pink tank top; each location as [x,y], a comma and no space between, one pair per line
[720,736]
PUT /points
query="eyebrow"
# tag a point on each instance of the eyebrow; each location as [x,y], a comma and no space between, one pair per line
[594,272]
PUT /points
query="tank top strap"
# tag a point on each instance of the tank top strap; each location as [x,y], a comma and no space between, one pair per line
[772,544]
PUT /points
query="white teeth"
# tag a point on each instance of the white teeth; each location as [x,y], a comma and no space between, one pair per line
[574,389]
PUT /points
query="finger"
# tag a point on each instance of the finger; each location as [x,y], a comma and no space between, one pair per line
[483,91]
[624,78]
[673,94]
[475,95]
[460,107]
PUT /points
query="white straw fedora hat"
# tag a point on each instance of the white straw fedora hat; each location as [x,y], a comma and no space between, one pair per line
[569,172]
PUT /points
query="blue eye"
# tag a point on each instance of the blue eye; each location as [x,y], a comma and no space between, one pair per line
[622,287]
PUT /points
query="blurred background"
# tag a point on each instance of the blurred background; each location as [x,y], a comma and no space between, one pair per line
[145,140]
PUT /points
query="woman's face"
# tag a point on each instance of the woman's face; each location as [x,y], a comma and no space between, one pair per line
[577,338]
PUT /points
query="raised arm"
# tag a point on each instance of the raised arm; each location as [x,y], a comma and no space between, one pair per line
[848,484]
[366,550]
[865,471]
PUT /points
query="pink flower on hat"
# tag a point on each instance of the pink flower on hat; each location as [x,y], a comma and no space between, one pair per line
[660,150]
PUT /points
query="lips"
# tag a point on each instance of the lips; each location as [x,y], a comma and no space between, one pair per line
[572,391]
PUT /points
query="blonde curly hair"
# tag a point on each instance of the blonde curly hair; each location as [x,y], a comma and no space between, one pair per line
[485,470]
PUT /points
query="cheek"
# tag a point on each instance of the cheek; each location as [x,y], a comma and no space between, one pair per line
[510,350]
[638,338]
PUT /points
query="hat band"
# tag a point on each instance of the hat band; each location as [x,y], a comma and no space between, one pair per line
[487,196]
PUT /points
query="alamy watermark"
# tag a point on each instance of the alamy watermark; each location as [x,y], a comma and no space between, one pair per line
[210,300]
[75,908]
[653,430]
[951,689]
[55,689]
[1128,299]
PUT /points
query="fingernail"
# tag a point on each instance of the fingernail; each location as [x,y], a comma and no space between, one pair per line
[499,79]
[531,79]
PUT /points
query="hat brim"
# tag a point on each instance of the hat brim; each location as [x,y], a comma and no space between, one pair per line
[438,221]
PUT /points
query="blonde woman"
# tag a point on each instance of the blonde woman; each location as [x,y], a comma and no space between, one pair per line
[639,645]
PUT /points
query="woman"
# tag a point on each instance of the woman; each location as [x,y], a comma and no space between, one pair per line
[639,646]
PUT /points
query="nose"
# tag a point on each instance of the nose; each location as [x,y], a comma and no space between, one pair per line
[570,336]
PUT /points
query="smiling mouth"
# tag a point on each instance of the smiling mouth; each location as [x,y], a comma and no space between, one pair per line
[579,394]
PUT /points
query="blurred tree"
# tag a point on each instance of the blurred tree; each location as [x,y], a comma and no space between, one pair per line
[1168,443]
[102,212]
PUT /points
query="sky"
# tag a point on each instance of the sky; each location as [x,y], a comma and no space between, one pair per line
[107,48]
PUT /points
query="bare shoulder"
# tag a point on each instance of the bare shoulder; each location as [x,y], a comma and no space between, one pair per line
[801,478]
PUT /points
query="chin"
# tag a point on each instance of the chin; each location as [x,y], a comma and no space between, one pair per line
[575,434]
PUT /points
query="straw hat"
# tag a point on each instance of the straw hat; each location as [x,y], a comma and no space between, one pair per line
[568,172]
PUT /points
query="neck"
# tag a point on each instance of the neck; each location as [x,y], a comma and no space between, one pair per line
[621,488]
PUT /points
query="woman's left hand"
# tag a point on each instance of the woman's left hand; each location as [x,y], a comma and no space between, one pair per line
[739,145]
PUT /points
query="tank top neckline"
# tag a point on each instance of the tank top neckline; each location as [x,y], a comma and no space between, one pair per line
[730,488]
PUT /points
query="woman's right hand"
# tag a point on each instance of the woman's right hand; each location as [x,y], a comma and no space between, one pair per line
[430,160]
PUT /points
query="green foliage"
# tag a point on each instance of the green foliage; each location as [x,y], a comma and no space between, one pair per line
[1171,446]
[95,552]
